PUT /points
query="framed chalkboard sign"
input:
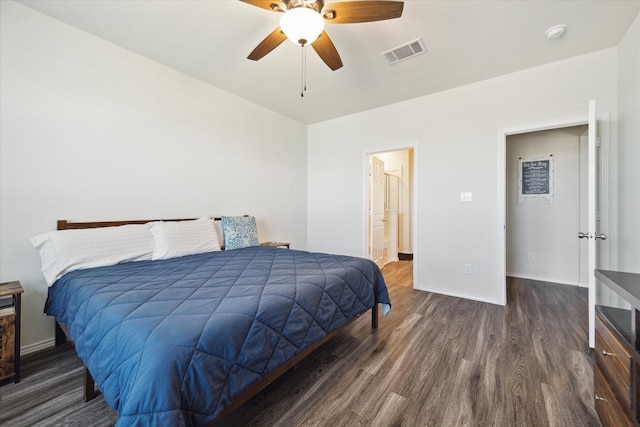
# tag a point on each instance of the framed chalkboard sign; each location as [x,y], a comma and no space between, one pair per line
[535,178]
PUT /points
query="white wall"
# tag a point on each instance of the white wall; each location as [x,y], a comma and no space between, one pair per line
[542,241]
[91,131]
[459,140]
[629,150]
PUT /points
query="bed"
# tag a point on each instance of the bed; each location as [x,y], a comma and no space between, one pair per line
[187,339]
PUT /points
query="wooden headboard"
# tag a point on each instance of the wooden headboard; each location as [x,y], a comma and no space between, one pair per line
[64,224]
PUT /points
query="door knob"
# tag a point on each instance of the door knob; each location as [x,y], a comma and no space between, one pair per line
[600,236]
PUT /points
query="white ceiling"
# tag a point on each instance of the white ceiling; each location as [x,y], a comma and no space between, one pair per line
[467,41]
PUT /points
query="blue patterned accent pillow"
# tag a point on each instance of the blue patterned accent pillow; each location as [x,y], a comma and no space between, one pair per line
[239,232]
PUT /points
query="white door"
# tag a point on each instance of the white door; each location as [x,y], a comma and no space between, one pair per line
[593,234]
[376,210]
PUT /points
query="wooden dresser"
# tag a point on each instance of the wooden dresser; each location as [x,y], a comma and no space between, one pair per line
[617,353]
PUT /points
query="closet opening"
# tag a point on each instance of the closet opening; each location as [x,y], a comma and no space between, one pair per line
[542,223]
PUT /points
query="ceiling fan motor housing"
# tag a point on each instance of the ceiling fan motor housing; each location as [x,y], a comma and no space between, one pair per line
[316,5]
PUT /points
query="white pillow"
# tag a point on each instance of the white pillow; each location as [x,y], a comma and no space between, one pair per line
[218,225]
[68,250]
[180,238]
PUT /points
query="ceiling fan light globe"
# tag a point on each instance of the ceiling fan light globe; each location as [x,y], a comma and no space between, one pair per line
[302,25]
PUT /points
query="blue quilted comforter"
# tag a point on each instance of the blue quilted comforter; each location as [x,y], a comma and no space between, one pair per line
[173,342]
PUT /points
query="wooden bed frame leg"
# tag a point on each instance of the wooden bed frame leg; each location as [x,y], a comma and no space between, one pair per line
[61,337]
[374,316]
[89,386]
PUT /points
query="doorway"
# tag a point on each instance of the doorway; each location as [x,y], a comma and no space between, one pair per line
[390,206]
[598,202]
[542,222]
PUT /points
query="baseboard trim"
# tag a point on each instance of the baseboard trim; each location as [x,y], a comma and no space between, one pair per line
[547,279]
[457,294]
[42,345]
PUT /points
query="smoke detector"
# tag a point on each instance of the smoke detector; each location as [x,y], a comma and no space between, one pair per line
[404,52]
[555,31]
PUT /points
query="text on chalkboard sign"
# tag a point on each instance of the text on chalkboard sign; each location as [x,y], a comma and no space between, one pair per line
[536,178]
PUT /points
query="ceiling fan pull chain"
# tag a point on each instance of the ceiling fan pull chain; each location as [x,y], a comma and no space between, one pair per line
[303,83]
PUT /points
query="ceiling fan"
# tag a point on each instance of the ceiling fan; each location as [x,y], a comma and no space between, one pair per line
[303,22]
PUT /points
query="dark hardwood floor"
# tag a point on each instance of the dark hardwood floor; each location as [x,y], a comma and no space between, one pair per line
[434,361]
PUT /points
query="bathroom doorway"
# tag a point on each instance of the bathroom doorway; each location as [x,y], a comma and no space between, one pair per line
[390,226]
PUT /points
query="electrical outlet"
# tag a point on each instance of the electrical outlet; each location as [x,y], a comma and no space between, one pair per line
[465,197]
[468,269]
[531,255]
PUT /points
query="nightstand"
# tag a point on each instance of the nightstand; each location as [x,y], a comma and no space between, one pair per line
[276,244]
[10,306]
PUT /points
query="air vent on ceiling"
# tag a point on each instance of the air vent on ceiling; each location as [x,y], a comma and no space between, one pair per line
[404,52]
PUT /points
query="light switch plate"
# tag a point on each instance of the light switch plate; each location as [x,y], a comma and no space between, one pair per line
[468,269]
[465,197]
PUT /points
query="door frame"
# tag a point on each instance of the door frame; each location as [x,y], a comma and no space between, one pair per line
[414,200]
[373,210]
[502,181]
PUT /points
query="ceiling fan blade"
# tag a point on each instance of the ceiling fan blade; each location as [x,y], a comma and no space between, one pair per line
[350,12]
[271,42]
[272,5]
[325,48]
